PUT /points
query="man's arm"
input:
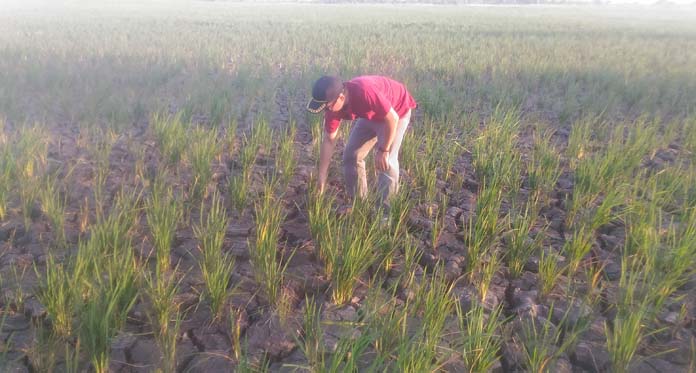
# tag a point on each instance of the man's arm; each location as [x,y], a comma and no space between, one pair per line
[326,150]
[384,144]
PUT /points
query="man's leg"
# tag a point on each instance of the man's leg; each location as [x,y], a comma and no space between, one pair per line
[361,139]
[388,181]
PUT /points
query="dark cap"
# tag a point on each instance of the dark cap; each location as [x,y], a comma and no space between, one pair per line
[325,90]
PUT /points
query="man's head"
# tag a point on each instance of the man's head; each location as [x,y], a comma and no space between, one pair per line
[327,93]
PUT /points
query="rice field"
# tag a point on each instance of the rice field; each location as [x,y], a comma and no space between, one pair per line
[158,209]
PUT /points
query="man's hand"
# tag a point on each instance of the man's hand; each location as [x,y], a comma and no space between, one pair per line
[382,161]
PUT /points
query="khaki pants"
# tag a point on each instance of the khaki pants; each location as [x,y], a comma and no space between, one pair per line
[363,137]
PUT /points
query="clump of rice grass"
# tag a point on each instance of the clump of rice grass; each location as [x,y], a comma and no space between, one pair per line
[577,247]
[204,147]
[520,245]
[627,330]
[164,212]
[285,161]
[59,294]
[549,273]
[53,206]
[480,336]
[215,265]
[481,232]
[322,225]
[495,157]
[164,315]
[171,135]
[357,234]
[544,166]
[439,222]
[543,343]
[269,270]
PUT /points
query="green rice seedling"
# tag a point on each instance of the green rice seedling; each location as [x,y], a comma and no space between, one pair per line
[549,273]
[59,294]
[164,212]
[100,149]
[577,248]
[627,330]
[481,233]
[543,343]
[321,224]
[285,161]
[215,265]
[357,236]
[269,270]
[388,322]
[348,354]
[261,135]
[238,186]
[311,340]
[434,303]
[398,211]
[605,212]
[426,178]
[409,149]
[107,305]
[520,245]
[488,271]
[17,294]
[579,139]
[164,315]
[41,355]
[7,166]
[171,135]
[544,166]
[203,149]
[317,131]
[495,157]
[481,339]
[53,206]
[675,264]
[411,257]
[438,222]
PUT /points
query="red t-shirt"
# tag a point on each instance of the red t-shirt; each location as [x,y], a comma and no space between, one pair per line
[370,97]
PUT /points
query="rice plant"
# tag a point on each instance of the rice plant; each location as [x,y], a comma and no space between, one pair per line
[269,270]
[543,343]
[322,226]
[171,135]
[164,212]
[285,161]
[481,232]
[203,149]
[480,336]
[438,222]
[356,236]
[544,166]
[59,293]
[164,315]
[53,206]
[549,273]
[216,266]
[105,310]
[520,245]
[577,247]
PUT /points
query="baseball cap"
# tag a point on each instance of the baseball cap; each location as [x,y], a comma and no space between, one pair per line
[325,89]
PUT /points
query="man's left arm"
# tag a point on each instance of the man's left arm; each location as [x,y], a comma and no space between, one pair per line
[391,121]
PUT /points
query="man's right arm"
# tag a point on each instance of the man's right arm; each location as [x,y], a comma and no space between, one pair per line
[325,153]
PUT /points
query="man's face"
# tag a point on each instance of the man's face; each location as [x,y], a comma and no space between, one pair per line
[337,104]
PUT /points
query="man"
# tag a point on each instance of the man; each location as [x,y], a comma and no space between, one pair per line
[381,108]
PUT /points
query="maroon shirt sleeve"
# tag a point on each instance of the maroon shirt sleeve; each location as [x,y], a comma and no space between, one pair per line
[380,104]
[331,121]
